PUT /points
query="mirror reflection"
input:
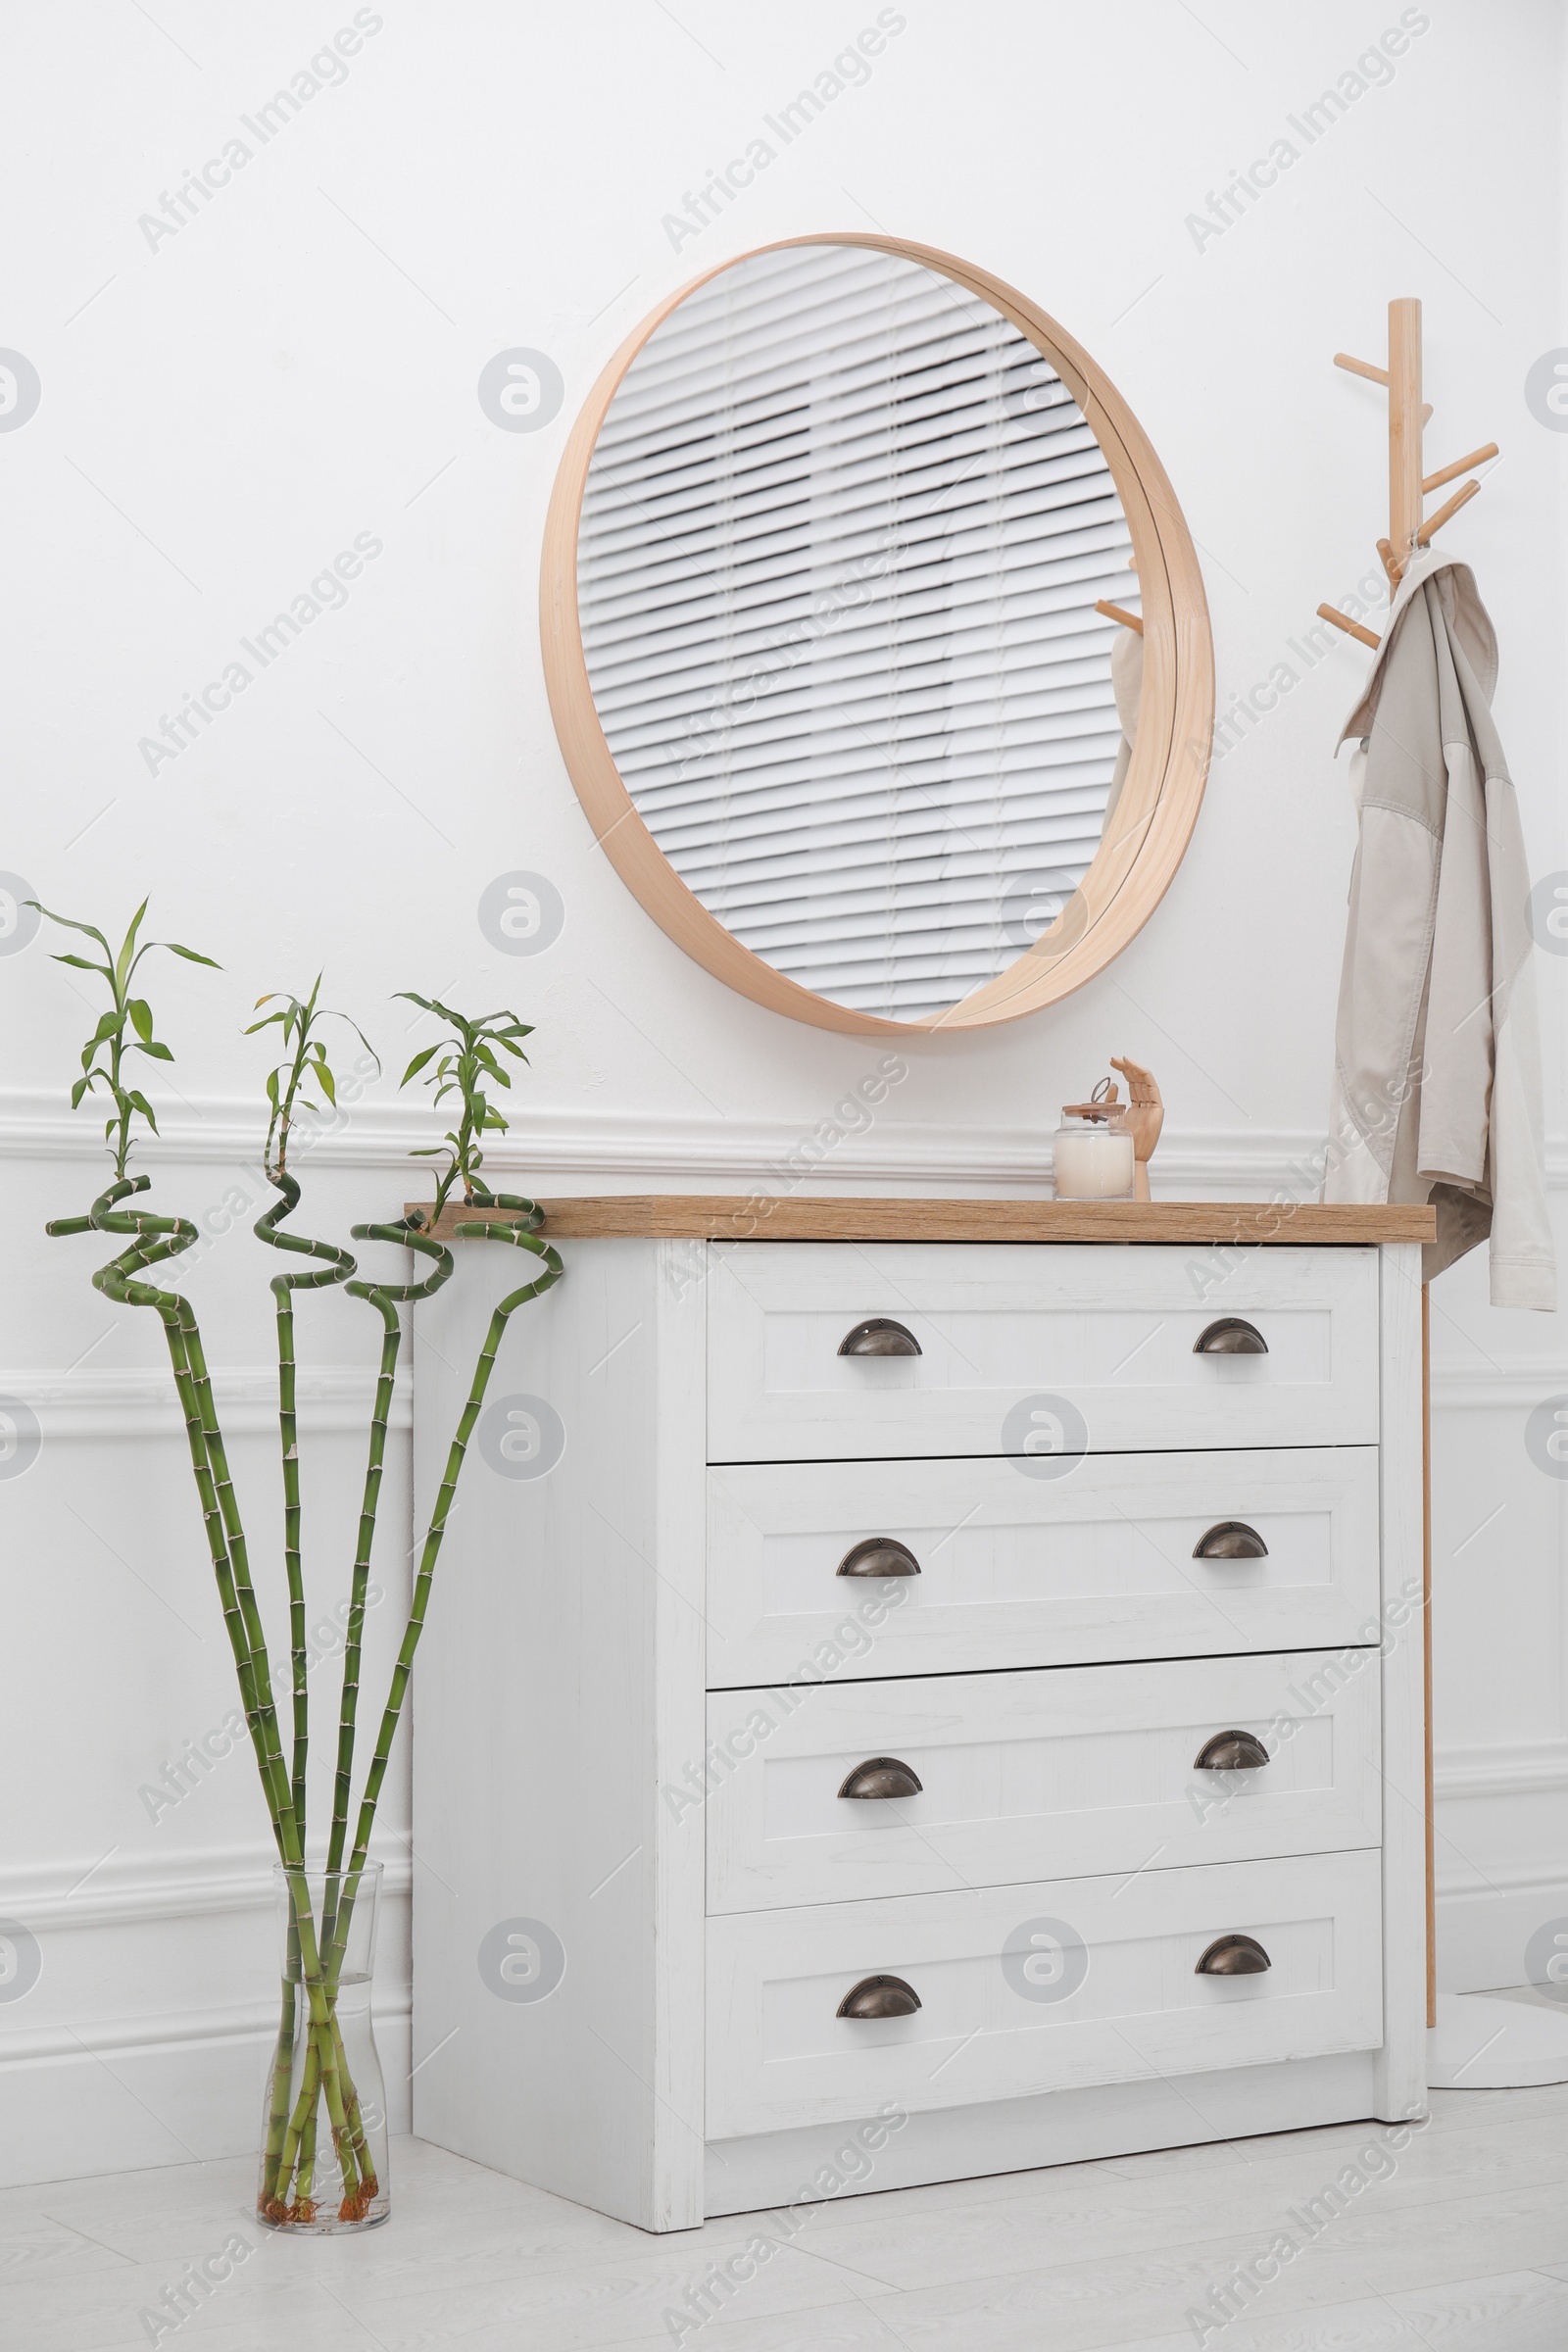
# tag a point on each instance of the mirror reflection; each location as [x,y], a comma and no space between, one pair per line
[842,538]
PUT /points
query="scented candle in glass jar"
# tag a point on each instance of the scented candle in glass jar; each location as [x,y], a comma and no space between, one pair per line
[1093,1150]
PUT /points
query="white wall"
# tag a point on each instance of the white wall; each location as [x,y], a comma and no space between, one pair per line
[224,409]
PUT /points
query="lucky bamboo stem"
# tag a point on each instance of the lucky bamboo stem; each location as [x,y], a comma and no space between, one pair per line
[303,2207]
[274,1771]
[278,2105]
[338,1268]
[299,1663]
[388,1299]
[391,1342]
[518,1237]
[330,2061]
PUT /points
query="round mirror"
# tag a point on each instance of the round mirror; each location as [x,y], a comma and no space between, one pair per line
[876,641]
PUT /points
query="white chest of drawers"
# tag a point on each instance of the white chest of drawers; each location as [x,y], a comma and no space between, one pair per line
[802,1736]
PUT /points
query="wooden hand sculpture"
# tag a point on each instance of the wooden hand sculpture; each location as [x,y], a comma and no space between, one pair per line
[1144,1118]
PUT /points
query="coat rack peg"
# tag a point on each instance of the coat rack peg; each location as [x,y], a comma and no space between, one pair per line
[1390,564]
[1451,507]
[1374,375]
[1351,629]
[1129,620]
[1452,473]
[1380,375]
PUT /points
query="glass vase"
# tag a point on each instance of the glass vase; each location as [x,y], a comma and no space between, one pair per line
[323,2114]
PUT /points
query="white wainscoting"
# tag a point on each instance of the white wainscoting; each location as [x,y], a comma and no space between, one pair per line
[1501,1654]
[143,2040]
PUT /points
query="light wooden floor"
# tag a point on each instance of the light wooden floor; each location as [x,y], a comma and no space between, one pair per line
[1462,2248]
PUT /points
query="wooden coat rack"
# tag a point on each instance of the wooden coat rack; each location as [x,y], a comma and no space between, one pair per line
[1408,488]
[1409,491]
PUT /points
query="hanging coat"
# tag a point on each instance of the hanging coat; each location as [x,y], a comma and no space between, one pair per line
[1127,685]
[1437,1082]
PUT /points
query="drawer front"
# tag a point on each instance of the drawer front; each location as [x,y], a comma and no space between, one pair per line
[1023,1571]
[1077,1771]
[1053,1985]
[1039,1350]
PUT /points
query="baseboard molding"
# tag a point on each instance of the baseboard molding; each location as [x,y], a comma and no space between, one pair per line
[182,2090]
[1484,1930]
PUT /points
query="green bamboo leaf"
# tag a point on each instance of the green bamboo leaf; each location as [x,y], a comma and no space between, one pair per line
[78,1091]
[141,1104]
[325,1080]
[81,963]
[189,953]
[87,928]
[141,1016]
[159,1052]
[123,961]
[110,1025]
[418,1063]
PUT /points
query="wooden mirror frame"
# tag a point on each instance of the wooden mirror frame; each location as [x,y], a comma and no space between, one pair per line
[1131,870]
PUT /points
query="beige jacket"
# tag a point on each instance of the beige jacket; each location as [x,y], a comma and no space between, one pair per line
[1437,1082]
[1127,685]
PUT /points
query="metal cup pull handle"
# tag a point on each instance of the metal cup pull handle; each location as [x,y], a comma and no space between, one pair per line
[882,1776]
[1231,1539]
[1233,1956]
[879,1335]
[879,1555]
[1230,1336]
[882,1996]
[1231,1751]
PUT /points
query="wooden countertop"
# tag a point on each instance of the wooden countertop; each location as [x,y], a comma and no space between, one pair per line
[739,1218]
